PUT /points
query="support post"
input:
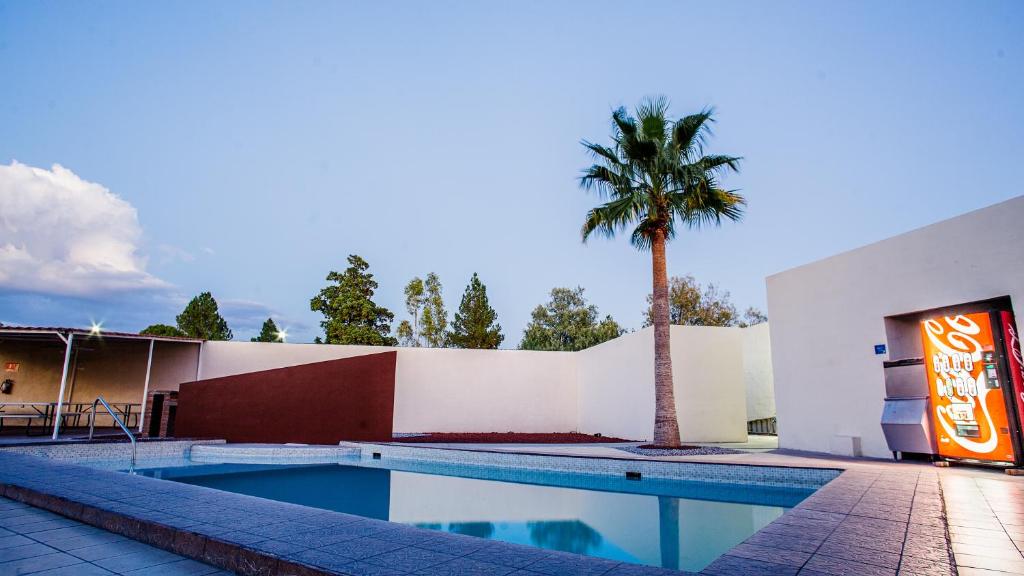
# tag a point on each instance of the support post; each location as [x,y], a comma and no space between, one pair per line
[63,385]
[145,387]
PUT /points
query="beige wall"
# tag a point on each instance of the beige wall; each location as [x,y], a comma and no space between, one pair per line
[616,382]
[827,316]
[607,389]
[38,375]
[757,372]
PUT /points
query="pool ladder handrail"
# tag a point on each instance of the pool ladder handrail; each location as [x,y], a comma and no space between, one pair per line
[92,426]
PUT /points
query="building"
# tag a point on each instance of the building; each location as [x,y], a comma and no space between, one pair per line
[835,321]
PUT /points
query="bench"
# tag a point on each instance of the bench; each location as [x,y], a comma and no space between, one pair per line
[28,417]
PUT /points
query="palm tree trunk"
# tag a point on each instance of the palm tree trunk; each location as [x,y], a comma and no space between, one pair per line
[666,425]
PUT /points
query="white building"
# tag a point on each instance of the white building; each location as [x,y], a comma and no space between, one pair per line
[828,316]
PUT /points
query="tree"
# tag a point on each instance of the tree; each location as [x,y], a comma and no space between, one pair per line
[434,323]
[567,323]
[409,333]
[269,333]
[752,317]
[406,334]
[653,176]
[201,319]
[691,304]
[162,330]
[350,315]
[475,324]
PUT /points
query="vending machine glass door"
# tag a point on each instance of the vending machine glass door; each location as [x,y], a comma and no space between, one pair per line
[968,391]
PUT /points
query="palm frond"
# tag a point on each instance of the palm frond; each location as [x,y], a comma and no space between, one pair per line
[689,135]
[651,116]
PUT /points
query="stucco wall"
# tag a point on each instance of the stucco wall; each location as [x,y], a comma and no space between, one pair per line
[616,382]
[439,390]
[827,316]
[757,372]
[607,389]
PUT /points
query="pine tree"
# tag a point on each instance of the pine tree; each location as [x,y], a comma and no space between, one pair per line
[350,314]
[475,324]
[201,319]
[434,322]
[269,333]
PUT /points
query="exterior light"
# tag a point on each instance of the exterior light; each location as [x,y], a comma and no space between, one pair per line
[281,335]
[95,329]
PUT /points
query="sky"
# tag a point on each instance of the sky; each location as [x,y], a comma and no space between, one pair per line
[151,151]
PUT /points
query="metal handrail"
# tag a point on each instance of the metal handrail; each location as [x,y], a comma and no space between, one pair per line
[92,425]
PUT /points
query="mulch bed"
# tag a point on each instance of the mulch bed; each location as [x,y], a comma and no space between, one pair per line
[648,450]
[508,438]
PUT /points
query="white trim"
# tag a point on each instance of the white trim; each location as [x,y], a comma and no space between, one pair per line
[63,385]
[145,387]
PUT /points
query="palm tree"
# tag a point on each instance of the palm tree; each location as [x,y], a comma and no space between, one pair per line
[654,176]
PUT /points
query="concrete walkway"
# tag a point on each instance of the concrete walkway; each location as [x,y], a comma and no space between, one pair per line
[34,541]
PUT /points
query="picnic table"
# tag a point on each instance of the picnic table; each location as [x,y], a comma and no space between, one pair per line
[27,411]
[44,412]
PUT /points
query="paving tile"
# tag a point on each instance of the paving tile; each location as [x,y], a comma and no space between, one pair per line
[137,560]
[24,551]
[320,559]
[1015,566]
[409,559]
[361,548]
[109,550]
[183,567]
[840,567]
[736,566]
[39,563]
[75,570]
[861,555]
[366,569]
[14,540]
[767,554]
[461,566]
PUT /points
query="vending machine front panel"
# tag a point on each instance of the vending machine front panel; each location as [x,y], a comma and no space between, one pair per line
[968,393]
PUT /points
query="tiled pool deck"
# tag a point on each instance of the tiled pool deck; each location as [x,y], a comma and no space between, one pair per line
[34,541]
[876,518]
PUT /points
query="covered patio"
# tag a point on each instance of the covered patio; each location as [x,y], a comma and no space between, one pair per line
[52,376]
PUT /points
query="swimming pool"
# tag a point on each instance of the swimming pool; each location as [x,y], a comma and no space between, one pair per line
[678,524]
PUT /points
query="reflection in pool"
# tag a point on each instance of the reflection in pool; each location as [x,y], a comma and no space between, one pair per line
[673,524]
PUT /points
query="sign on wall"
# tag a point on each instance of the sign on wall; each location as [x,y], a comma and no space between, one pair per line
[968,405]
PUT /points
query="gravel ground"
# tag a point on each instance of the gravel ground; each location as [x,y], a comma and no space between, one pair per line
[691,451]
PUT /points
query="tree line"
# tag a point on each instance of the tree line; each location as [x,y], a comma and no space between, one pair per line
[566,322]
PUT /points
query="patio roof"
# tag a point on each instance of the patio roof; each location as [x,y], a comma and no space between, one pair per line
[61,333]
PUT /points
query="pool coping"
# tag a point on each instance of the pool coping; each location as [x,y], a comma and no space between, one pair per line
[820,536]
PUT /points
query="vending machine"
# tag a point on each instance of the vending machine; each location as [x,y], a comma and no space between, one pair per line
[976,386]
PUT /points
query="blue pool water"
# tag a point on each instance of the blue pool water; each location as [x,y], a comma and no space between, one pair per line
[668,523]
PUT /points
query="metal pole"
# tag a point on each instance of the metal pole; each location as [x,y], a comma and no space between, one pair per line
[63,385]
[145,387]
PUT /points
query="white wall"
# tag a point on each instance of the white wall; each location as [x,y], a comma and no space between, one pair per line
[757,372]
[439,390]
[616,381]
[827,316]
[608,389]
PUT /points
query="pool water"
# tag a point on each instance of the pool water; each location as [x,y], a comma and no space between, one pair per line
[668,523]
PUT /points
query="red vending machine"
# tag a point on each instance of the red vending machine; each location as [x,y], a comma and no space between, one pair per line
[976,386]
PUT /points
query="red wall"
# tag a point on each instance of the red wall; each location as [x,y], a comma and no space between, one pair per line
[318,403]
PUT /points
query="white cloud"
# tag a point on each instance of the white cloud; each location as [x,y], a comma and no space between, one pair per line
[62,235]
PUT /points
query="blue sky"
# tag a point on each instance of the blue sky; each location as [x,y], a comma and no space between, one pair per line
[260,143]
